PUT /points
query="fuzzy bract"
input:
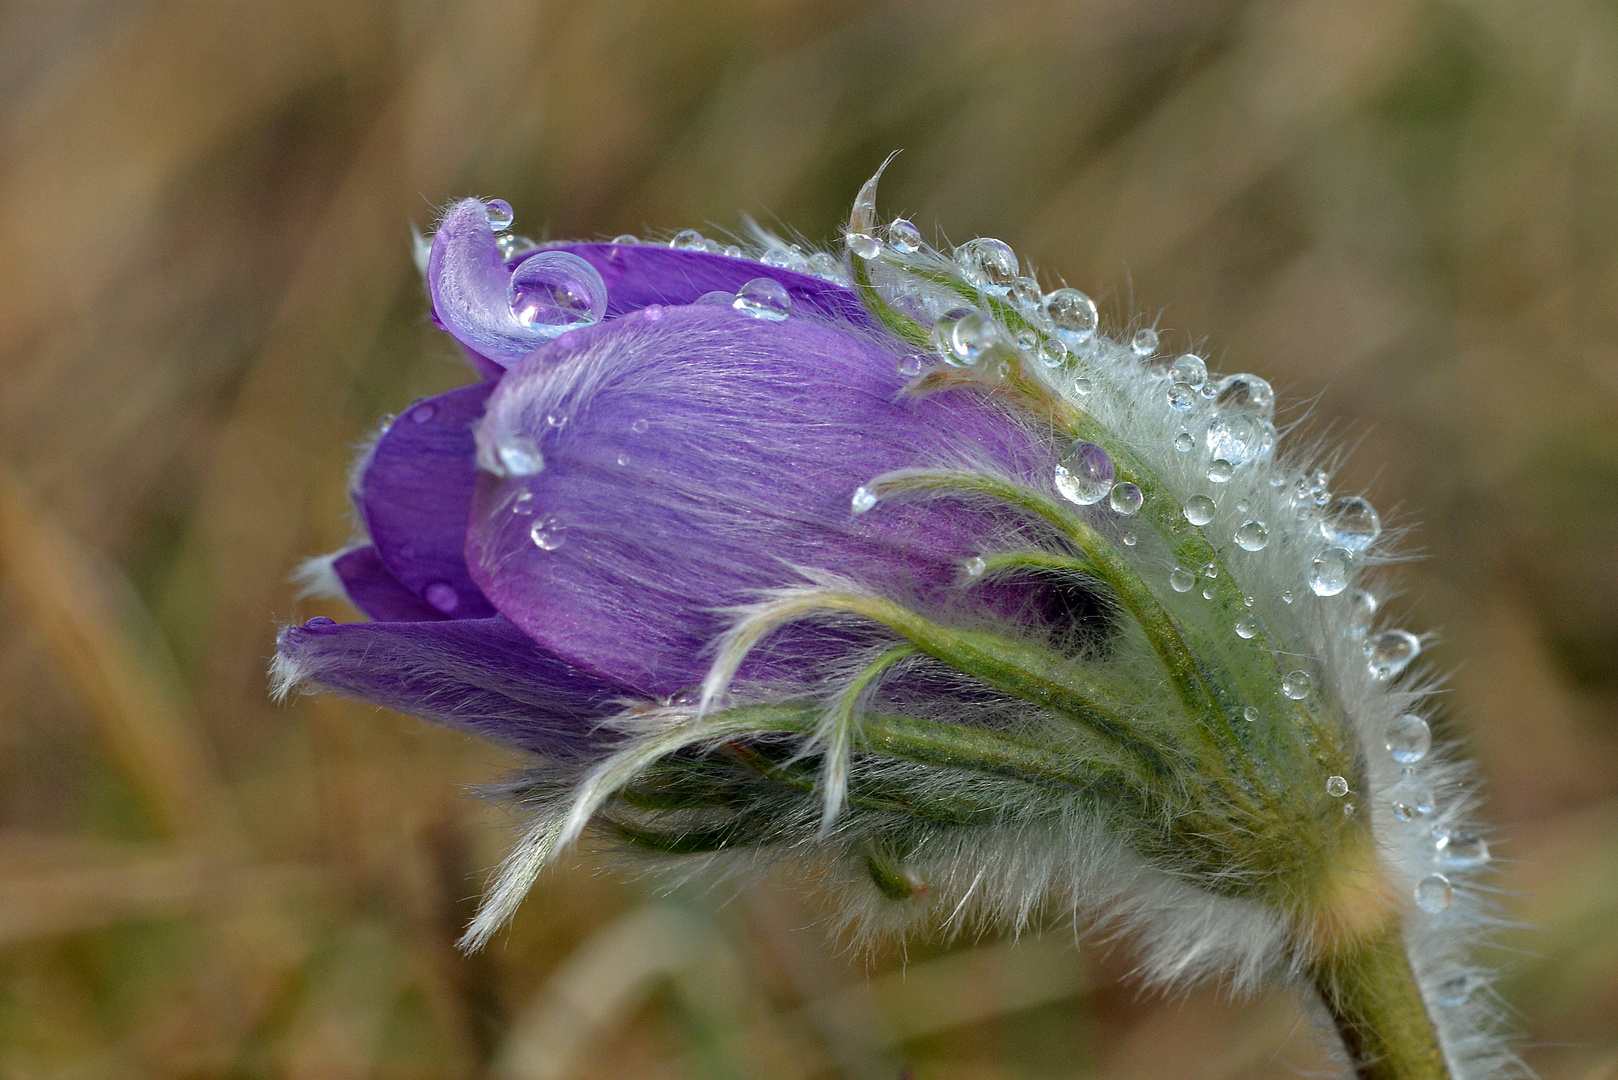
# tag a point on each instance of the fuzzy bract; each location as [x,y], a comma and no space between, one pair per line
[895,569]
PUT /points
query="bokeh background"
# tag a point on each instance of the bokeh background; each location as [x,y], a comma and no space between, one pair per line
[1402,212]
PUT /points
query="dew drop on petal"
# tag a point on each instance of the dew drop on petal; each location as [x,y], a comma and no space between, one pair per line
[1072,314]
[1297,684]
[1336,786]
[904,237]
[1253,536]
[1209,593]
[1247,627]
[1053,353]
[1199,509]
[1328,574]
[1361,610]
[1250,714]
[1238,436]
[1026,294]
[442,596]
[763,298]
[545,533]
[864,245]
[719,297]
[912,365]
[1189,369]
[1390,652]
[970,336]
[1461,850]
[623,239]
[975,566]
[824,265]
[1183,442]
[1351,522]
[988,264]
[498,211]
[552,292]
[424,412]
[1144,343]
[1220,471]
[1181,397]
[863,500]
[1409,739]
[1084,475]
[689,240]
[1434,893]
[1126,498]
[640,426]
[1181,579]
[519,455]
[1248,393]
[1082,387]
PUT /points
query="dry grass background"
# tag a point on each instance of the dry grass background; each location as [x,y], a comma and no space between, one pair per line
[1402,211]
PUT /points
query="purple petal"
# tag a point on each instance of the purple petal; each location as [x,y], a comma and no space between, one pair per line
[706,455]
[482,675]
[373,589]
[415,492]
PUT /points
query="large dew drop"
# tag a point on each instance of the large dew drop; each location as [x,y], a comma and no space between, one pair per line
[1126,498]
[1189,369]
[1336,786]
[1248,393]
[1252,536]
[1144,343]
[904,237]
[1409,739]
[498,212]
[988,264]
[1239,436]
[763,298]
[1351,522]
[1434,893]
[1084,475]
[1297,684]
[1199,509]
[970,337]
[1461,850]
[1072,314]
[1329,573]
[1390,652]
[552,292]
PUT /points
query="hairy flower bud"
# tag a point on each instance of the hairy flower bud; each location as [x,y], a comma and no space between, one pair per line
[897,569]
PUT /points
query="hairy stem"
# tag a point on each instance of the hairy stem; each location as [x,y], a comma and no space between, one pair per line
[1369,989]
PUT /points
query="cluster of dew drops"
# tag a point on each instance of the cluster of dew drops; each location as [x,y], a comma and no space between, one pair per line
[1236,417]
[552,292]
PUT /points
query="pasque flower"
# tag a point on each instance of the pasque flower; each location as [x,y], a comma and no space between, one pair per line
[894,568]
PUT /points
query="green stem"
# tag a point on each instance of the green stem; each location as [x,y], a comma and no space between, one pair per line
[1375,1002]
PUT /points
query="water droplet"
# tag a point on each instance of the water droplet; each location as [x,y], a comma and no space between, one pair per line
[639,426]
[1238,436]
[523,503]
[975,566]
[1453,992]
[732,251]
[509,245]
[1129,539]
[424,412]
[1409,739]
[545,533]
[1247,601]
[1461,850]
[1082,387]
[1190,370]
[719,298]
[988,264]
[1026,339]
[1053,353]
[864,245]
[1253,536]
[1297,684]
[1328,574]
[556,420]
[519,455]
[1220,471]
[1250,714]
[689,240]
[1286,597]
[1424,801]
[552,292]
[912,365]
[1336,786]
[1247,627]
[626,238]
[1361,610]
[904,237]
[1403,811]
[1199,509]
[1084,475]
[1026,294]
[1183,442]
[623,460]
[1351,523]
[864,499]
[652,312]
[970,336]
[1211,570]
[763,298]
[1209,593]
[1126,498]
[1144,343]
[1181,579]
[1181,397]
[1390,652]
[790,257]
[1243,506]
[498,211]
[824,265]
[1248,393]
[1072,314]
[442,595]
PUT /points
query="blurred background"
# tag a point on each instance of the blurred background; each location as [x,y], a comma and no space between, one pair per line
[1404,213]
